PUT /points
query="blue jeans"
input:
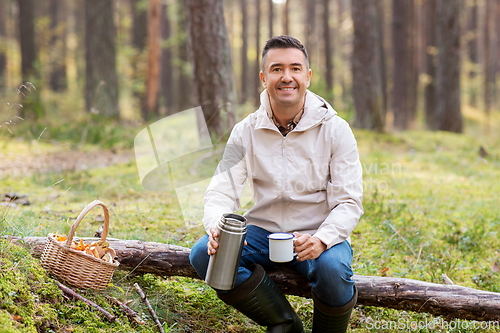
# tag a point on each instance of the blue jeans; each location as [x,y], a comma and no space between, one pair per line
[329,275]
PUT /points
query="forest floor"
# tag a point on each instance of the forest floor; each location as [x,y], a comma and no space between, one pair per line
[431,208]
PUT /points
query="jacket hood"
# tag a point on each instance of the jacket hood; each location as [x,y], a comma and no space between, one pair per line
[316,110]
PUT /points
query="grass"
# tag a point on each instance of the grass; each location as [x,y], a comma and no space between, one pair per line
[431,208]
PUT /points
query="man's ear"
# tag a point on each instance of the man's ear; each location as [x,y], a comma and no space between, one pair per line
[263,80]
[309,74]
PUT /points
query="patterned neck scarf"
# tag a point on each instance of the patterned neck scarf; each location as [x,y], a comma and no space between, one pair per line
[284,130]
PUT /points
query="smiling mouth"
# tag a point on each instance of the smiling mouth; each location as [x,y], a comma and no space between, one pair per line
[286,89]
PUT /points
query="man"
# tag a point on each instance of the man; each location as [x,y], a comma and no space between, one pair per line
[302,163]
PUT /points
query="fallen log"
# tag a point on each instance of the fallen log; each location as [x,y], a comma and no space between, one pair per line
[452,301]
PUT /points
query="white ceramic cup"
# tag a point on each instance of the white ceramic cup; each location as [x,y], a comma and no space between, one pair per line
[281,247]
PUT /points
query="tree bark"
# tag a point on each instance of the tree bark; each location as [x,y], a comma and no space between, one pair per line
[101,93]
[139,40]
[258,48]
[328,51]
[285,17]
[401,63]
[367,87]
[310,28]
[167,84]
[383,55]
[473,50]
[411,70]
[448,115]
[139,24]
[211,62]
[31,97]
[244,50]
[185,89]
[270,18]
[496,62]
[488,74]
[452,301]
[497,57]
[150,109]
[57,78]
[27,38]
[3,39]
[430,63]
[341,44]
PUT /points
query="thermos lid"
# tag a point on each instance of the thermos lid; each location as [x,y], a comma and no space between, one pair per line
[233,223]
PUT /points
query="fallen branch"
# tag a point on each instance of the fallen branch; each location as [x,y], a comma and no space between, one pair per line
[75,295]
[133,315]
[146,301]
[452,301]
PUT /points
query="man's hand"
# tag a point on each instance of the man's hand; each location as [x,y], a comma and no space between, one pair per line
[307,246]
[212,244]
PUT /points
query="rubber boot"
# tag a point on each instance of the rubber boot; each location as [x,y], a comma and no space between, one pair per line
[332,319]
[262,301]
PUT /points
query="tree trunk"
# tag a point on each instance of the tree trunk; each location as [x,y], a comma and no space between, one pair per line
[270,18]
[185,87]
[211,61]
[101,93]
[244,51]
[3,39]
[27,39]
[401,63]
[258,47]
[31,97]
[139,31]
[310,30]
[496,62]
[139,24]
[488,74]
[430,63]
[452,301]
[285,17]
[150,109]
[57,78]
[367,87]
[411,71]
[341,43]
[448,115]
[473,52]
[167,84]
[328,51]
[383,63]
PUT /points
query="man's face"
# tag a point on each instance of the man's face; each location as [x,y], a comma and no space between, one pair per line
[285,76]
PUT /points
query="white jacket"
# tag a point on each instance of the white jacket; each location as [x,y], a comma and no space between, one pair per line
[309,181]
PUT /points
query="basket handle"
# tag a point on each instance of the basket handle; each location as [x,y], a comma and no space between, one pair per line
[81,216]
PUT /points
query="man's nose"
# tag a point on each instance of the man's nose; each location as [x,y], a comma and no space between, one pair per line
[286,76]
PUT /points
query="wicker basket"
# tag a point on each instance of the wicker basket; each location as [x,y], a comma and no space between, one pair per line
[75,267]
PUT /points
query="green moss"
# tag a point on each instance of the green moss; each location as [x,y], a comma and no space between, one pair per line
[25,291]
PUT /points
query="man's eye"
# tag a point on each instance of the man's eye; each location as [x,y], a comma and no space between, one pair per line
[276,69]
[297,69]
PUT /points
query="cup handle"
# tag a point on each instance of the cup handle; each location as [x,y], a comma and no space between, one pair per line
[294,253]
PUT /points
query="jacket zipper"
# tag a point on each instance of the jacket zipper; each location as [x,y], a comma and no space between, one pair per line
[283,195]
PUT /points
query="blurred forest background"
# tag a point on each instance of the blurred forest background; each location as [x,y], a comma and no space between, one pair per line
[90,74]
[384,65]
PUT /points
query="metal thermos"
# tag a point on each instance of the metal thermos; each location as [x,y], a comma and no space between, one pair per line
[223,265]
